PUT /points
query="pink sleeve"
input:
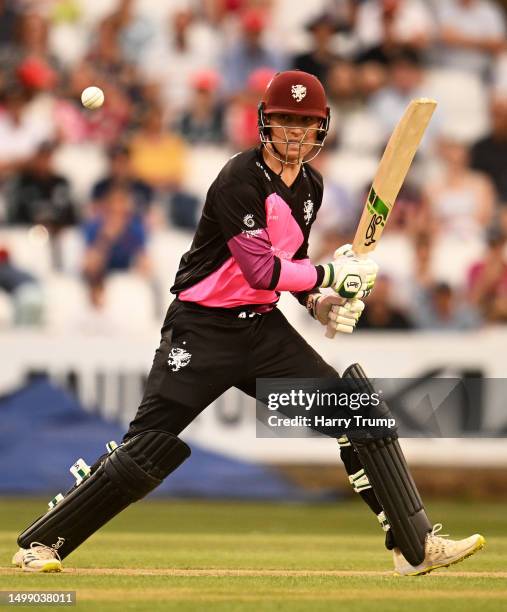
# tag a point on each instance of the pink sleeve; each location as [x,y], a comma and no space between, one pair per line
[263,270]
[296,276]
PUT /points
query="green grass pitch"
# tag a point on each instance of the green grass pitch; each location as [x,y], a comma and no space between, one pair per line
[197,555]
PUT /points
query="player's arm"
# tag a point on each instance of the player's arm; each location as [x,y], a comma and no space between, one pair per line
[242,218]
[332,310]
[329,309]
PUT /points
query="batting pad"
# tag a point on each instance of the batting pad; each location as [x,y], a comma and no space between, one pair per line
[389,475]
[126,475]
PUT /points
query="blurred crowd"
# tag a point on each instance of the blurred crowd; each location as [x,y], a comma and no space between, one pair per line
[95,190]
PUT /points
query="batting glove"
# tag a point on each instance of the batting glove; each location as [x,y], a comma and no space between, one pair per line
[344,318]
[350,276]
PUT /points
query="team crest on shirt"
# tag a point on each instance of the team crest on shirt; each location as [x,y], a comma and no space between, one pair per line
[178,358]
[298,92]
[308,211]
[248,220]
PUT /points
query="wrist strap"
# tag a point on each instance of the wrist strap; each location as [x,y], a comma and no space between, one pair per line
[328,275]
[315,297]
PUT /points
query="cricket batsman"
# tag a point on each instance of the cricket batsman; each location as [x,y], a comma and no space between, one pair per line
[224,330]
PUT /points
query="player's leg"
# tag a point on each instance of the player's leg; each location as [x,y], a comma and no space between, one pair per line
[282,353]
[419,549]
[186,376]
[377,470]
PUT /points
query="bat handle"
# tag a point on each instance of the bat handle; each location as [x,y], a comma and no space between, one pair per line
[330,333]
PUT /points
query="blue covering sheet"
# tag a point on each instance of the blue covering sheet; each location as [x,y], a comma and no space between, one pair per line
[43,430]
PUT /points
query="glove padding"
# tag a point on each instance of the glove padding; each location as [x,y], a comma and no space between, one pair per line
[344,318]
[350,276]
[337,313]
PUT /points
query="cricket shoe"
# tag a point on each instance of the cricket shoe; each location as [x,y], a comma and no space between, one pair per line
[17,557]
[439,552]
[40,558]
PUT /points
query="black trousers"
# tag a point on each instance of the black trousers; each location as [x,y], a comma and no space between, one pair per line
[205,351]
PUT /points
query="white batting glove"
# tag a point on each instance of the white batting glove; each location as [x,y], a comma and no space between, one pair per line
[350,276]
[336,312]
[344,318]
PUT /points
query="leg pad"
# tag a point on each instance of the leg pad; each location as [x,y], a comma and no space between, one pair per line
[389,475]
[126,475]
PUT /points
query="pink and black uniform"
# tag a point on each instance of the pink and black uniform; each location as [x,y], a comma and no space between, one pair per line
[252,239]
[224,329]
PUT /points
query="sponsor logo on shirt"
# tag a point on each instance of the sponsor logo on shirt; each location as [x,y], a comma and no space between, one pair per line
[252,233]
[270,208]
[248,220]
[282,254]
[259,165]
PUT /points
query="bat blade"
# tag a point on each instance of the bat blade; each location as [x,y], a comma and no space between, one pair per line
[392,170]
[391,173]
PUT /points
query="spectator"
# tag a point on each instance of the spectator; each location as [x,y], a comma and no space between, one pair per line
[439,308]
[409,213]
[8,22]
[21,132]
[36,75]
[116,239]
[487,281]
[69,32]
[36,67]
[384,26]
[105,53]
[381,314]
[135,31]
[338,215]
[158,156]
[105,125]
[33,33]
[423,254]
[203,122]
[37,195]
[242,112]
[71,117]
[407,79]
[186,46]
[342,87]
[321,55]
[27,298]
[343,96]
[371,77]
[471,34]
[462,201]
[12,277]
[489,154]
[248,54]
[121,175]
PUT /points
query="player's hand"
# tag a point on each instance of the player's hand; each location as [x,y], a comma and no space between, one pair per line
[337,313]
[344,318]
[350,276]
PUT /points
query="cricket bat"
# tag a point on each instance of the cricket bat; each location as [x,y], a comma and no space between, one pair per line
[391,173]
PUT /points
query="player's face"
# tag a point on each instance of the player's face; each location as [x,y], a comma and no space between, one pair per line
[293,135]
